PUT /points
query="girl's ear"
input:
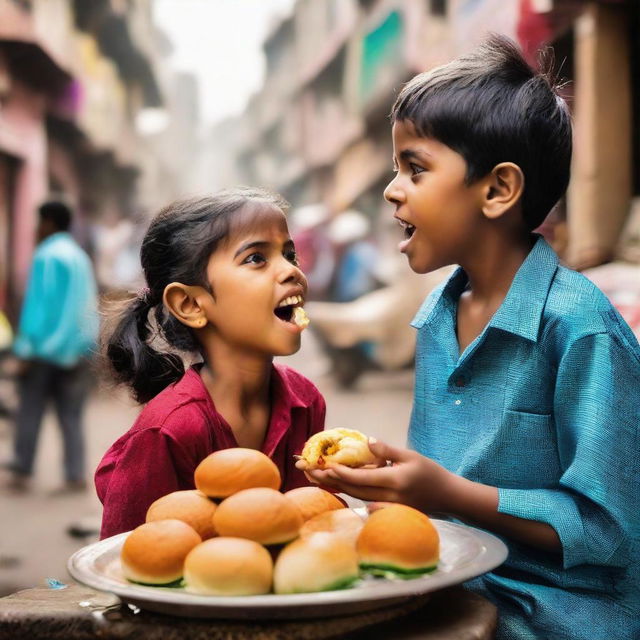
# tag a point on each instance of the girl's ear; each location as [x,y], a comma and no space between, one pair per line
[183,302]
[503,189]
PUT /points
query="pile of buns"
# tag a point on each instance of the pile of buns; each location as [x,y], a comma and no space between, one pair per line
[237,534]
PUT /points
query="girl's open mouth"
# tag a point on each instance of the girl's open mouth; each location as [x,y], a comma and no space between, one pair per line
[285,310]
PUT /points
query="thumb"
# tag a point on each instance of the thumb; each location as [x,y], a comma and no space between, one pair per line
[387,452]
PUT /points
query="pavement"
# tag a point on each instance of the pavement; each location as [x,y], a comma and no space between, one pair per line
[34,542]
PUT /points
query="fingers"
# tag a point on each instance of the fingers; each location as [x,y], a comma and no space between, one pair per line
[385,451]
[382,477]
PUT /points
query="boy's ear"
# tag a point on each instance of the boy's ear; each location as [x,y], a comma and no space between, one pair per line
[502,190]
[184,302]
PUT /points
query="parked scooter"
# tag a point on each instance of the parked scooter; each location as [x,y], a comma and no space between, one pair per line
[373,331]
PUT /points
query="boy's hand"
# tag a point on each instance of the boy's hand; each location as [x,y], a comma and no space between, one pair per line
[408,477]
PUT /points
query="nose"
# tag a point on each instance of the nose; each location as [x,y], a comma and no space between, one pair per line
[291,274]
[393,193]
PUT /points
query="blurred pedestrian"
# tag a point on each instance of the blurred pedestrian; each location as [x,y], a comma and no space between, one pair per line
[357,264]
[55,339]
[314,248]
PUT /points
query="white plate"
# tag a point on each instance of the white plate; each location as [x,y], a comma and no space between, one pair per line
[464,554]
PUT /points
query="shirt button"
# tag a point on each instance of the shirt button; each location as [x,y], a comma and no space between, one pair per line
[458,402]
[460,381]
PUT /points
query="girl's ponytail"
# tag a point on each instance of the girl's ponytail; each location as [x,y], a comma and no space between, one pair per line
[133,361]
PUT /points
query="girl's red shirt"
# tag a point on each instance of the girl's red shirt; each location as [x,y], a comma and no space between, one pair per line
[180,427]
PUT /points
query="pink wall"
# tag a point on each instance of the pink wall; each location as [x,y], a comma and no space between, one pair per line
[23,134]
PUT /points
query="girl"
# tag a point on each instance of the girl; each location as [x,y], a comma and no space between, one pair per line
[223,283]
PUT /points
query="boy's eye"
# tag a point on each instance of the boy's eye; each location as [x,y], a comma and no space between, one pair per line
[415,169]
[254,258]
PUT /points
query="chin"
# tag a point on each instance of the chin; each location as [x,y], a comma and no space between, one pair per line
[288,350]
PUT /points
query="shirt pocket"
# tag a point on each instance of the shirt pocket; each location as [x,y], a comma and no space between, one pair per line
[528,441]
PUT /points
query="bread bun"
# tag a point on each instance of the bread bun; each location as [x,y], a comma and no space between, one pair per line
[319,562]
[190,506]
[313,500]
[263,515]
[154,552]
[228,567]
[343,522]
[342,446]
[400,541]
[228,471]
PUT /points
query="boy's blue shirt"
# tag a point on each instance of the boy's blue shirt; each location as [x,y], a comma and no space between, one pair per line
[545,405]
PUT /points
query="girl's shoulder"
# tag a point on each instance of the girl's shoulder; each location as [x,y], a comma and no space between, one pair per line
[187,400]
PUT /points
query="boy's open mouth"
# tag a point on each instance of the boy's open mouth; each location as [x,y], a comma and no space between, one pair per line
[407,228]
[284,310]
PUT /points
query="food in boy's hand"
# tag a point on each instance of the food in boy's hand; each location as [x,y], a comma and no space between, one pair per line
[313,500]
[342,522]
[263,515]
[190,506]
[300,317]
[343,446]
[228,471]
[154,552]
[398,541]
[319,562]
[228,567]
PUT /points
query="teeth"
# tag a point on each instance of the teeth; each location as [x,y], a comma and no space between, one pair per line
[404,225]
[291,300]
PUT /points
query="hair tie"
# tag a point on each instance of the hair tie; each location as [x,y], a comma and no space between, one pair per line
[143,294]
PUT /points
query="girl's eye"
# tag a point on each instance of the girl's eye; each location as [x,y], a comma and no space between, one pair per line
[254,258]
[415,169]
[292,257]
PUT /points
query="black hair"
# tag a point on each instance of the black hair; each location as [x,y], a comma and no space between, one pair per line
[176,248]
[491,106]
[56,212]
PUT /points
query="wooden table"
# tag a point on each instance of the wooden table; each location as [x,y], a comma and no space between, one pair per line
[79,613]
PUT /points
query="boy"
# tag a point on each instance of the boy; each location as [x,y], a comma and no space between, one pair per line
[527,394]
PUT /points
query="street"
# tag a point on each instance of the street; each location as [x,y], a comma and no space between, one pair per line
[35,545]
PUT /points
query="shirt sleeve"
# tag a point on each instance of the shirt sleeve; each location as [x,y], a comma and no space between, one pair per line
[32,325]
[595,509]
[145,469]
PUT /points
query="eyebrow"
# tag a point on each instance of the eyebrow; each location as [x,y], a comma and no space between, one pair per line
[414,154]
[263,244]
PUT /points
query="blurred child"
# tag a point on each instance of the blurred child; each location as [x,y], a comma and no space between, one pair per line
[223,282]
[527,393]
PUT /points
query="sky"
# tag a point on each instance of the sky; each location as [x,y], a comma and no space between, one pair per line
[220,42]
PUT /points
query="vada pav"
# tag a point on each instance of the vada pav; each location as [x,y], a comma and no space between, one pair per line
[263,515]
[225,472]
[398,542]
[313,500]
[154,552]
[190,506]
[342,446]
[319,562]
[228,567]
[341,522]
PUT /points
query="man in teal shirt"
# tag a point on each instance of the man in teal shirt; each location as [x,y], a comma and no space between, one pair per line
[56,336]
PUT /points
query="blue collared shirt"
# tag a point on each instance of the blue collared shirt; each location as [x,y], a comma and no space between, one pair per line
[59,318]
[544,405]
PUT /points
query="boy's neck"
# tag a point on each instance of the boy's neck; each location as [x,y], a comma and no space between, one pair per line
[491,271]
[493,266]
